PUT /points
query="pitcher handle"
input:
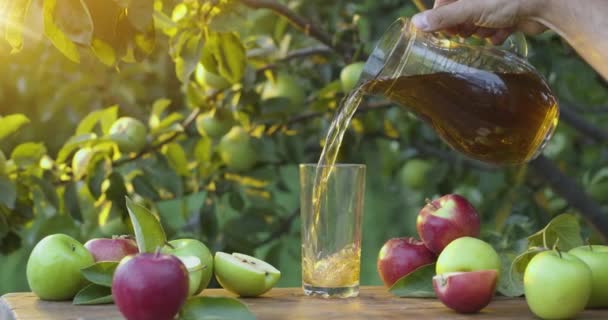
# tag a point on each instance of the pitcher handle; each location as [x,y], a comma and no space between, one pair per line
[517,44]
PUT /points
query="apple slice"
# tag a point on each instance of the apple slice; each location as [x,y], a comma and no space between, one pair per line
[195,272]
[244,275]
[466,292]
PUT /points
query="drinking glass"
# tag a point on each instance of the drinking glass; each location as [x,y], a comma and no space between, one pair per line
[331,230]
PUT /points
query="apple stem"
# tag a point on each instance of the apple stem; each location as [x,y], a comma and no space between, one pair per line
[589,244]
[556,248]
[157,252]
[430,203]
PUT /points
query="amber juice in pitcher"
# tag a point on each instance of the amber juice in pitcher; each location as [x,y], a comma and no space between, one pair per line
[486,102]
[498,118]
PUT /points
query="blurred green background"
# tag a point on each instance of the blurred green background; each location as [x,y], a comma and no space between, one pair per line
[282,87]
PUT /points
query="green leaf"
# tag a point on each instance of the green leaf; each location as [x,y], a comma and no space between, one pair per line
[189,53]
[72,17]
[28,154]
[158,108]
[8,192]
[17,10]
[74,143]
[104,52]
[139,13]
[175,212]
[100,273]
[564,227]
[225,55]
[506,286]
[177,158]
[52,31]
[516,273]
[98,172]
[11,123]
[149,232]
[93,294]
[144,188]
[215,308]
[70,201]
[105,117]
[418,284]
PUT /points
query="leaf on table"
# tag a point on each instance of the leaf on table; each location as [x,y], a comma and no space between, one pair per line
[93,294]
[418,284]
[506,286]
[515,274]
[564,227]
[215,308]
[149,232]
[100,273]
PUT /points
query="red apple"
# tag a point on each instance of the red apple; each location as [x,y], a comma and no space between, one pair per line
[400,256]
[114,249]
[466,292]
[150,286]
[445,219]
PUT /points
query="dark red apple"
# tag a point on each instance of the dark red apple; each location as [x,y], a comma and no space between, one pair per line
[400,256]
[150,286]
[445,219]
[114,249]
[466,292]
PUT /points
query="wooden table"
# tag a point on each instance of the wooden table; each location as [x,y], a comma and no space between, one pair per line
[289,303]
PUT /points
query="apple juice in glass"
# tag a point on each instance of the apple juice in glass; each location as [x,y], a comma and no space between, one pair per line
[331,231]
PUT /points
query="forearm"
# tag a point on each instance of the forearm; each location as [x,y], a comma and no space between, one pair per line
[583,24]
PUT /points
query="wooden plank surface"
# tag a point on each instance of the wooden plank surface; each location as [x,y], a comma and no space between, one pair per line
[288,303]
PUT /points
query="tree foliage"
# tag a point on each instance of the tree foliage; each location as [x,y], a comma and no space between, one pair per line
[217,82]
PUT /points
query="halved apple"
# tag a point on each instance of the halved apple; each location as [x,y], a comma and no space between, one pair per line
[244,275]
[466,292]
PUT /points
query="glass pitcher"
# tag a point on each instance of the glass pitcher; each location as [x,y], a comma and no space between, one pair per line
[486,102]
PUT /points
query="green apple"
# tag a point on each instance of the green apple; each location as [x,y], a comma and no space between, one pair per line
[210,79]
[467,254]
[414,173]
[80,162]
[285,86]
[244,275]
[215,124]
[349,76]
[195,273]
[557,285]
[129,134]
[236,150]
[596,258]
[199,276]
[53,268]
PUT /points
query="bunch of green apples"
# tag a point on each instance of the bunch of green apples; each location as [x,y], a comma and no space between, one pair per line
[467,268]
[578,280]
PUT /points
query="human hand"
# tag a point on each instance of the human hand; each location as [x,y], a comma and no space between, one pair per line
[492,19]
